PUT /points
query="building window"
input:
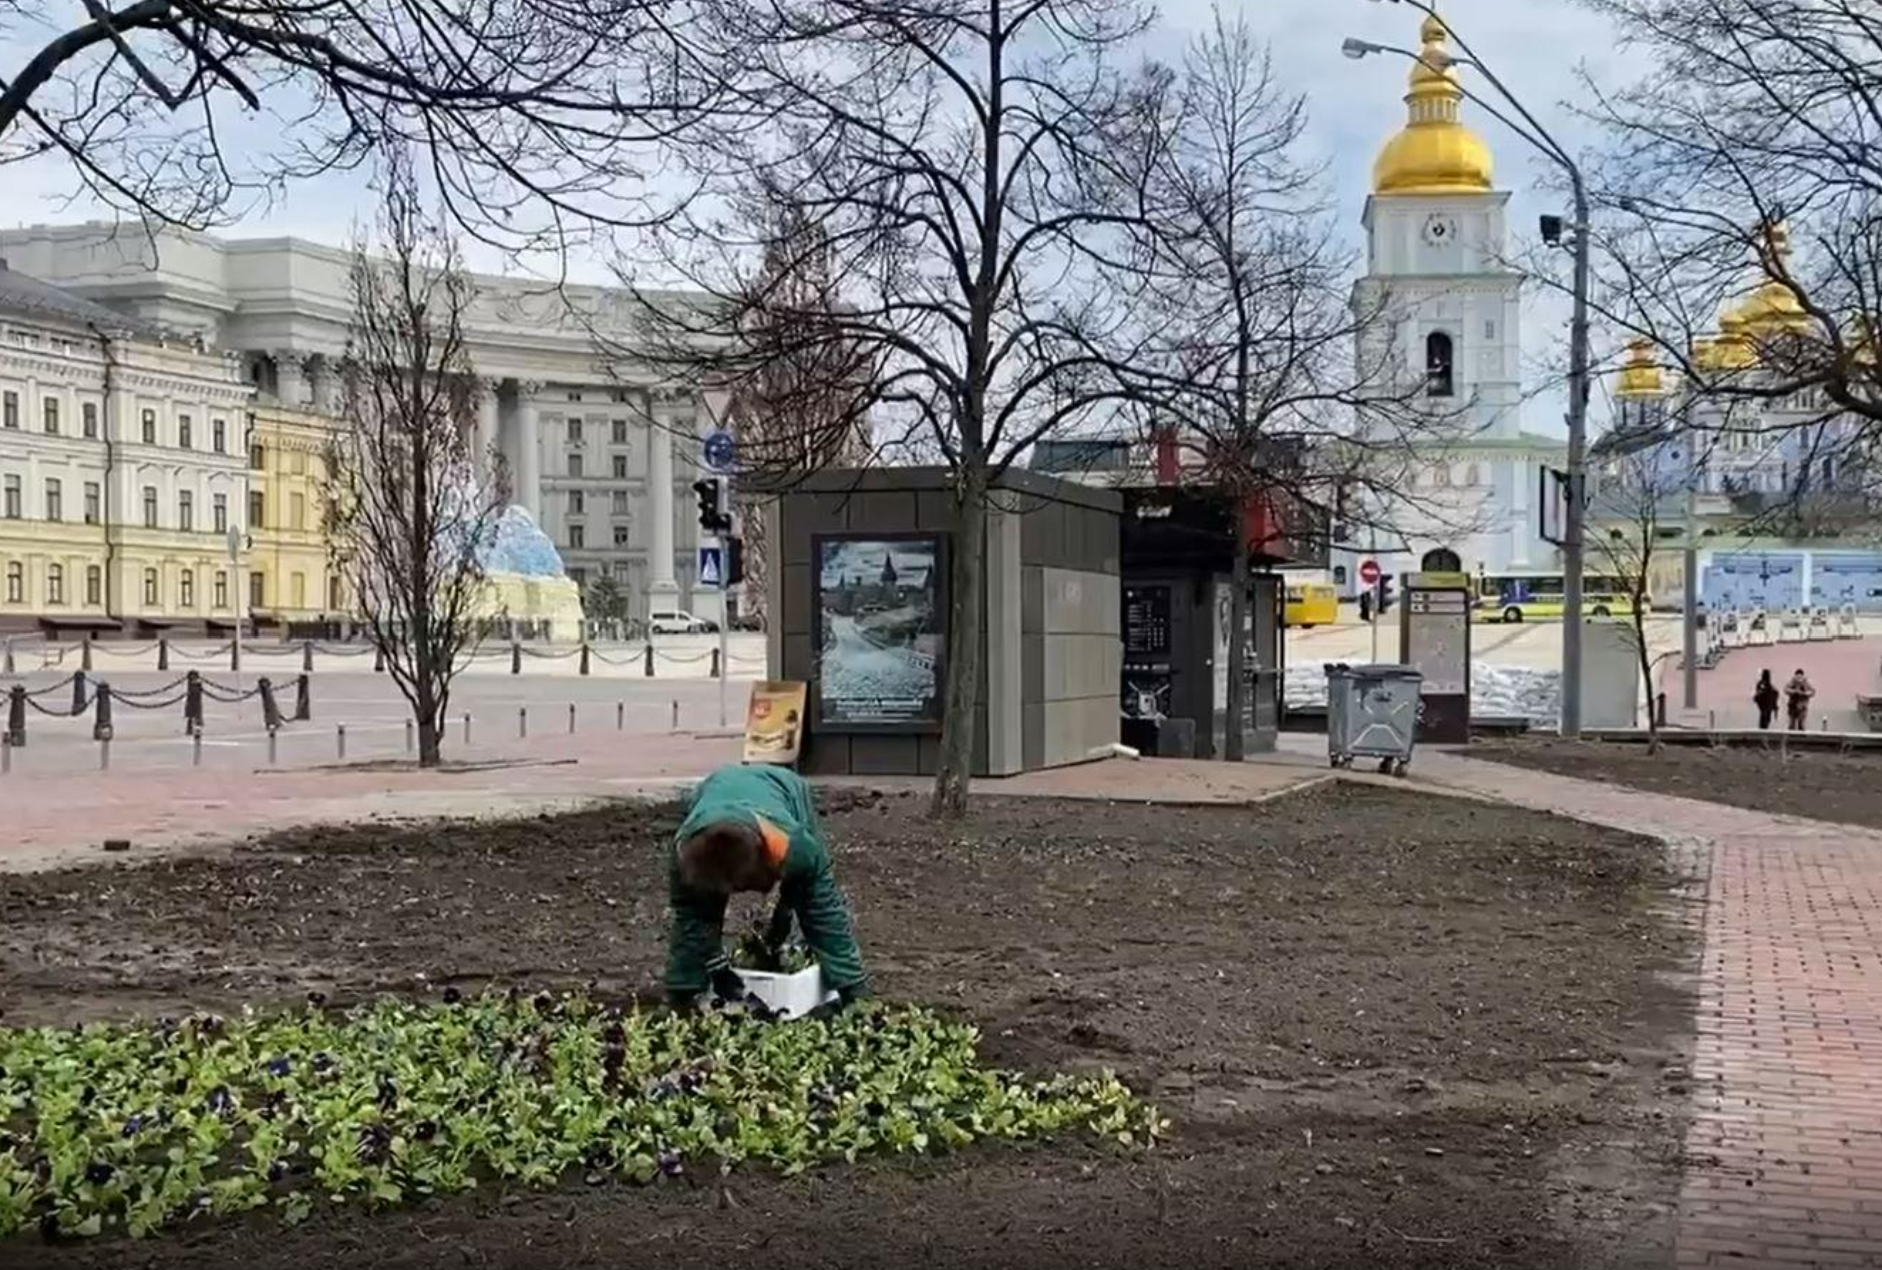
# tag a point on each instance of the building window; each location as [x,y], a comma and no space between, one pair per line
[580,578]
[575,431]
[256,506]
[88,420]
[186,589]
[219,592]
[219,435]
[94,584]
[150,427]
[55,584]
[297,511]
[150,506]
[297,463]
[257,589]
[575,465]
[257,456]
[620,502]
[91,502]
[55,499]
[10,409]
[574,395]
[619,432]
[298,582]
[150,588]
[11,505]
[51,406]
[1489,328]
[1438,377]
[575,537]
[16,583]
[577,504]
[219,512]
[620,467]
[620,535]
[1472,475]
[186,511]
[183,430]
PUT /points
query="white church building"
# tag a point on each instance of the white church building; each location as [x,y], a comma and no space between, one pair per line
[1450,311]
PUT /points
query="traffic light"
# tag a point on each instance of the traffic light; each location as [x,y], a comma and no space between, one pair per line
[1385,593]
[712,519]
[734,561]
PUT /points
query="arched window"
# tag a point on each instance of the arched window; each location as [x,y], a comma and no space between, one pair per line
[1438,379]
[1472,476]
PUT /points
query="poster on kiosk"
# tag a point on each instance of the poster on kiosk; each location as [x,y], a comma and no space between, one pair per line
[1434,636]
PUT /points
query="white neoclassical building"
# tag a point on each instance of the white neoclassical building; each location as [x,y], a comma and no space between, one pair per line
[601,455]
[1436,251]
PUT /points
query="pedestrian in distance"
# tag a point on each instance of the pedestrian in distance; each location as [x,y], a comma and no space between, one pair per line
[1365,606]
[1797,694]
[1764,696]
[754,829]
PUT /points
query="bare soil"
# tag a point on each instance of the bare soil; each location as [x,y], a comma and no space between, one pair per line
[1818,784]
[1391,1030]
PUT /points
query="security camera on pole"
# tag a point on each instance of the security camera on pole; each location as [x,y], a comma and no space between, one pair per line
[720,560]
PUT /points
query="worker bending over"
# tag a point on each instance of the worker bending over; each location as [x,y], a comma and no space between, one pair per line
[752,829]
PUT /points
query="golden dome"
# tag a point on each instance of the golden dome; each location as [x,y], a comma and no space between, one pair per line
[1773,306]
[1641,376]
[1433,153]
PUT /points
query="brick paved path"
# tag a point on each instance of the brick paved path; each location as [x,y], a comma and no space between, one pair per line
[1784,1151]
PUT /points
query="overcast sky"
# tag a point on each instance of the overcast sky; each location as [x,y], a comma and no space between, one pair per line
[1536,47]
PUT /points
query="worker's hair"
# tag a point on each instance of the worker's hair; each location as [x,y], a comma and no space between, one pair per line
[722,858]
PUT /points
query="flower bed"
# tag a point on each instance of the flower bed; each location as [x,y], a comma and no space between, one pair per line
[135,1127]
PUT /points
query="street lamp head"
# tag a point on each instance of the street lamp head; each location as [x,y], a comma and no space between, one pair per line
[1356,49]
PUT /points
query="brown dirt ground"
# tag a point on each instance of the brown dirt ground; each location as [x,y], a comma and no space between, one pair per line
[1390,1030]
[1822,785]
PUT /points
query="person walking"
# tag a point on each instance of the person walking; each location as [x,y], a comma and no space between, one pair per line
[1764,696]
[1797,694]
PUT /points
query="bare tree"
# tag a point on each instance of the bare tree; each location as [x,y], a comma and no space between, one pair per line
[1247,347]
[404,506]
[948,160]
[532,115]
[1741,215]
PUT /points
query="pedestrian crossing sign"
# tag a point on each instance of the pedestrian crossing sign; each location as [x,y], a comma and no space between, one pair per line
[712,566]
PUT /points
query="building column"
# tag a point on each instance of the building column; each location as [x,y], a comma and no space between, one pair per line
[528,449]
[663,589]
[326,377]
[484,439]
[290,380]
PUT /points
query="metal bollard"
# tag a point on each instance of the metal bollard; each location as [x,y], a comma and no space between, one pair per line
[522,721]
[101,721]
[307,655]
[676,716]
[163,653]
[270,710]
[649,661]
[339,739]
[516,658]
[408,736]
[378,659]
[78,692]
[303,699]
[193,702]
[84,661]
[235,655]
[584,658]
[620,716]
[467,727]
[16,715]
[714,674]
[272,750]
[571,718]
[196,750]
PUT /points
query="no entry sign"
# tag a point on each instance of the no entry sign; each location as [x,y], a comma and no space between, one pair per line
[1369,572]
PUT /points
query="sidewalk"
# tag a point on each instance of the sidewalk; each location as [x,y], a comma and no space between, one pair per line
[1784,1151]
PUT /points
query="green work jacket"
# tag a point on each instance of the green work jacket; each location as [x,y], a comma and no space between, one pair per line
[807,891]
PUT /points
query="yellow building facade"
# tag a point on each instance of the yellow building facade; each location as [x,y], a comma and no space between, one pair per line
[291,576]
[120,467]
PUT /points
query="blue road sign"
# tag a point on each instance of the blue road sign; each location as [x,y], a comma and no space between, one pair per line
[712,566]
[720,451]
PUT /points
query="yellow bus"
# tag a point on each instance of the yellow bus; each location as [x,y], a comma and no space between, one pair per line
[1311,604]
[1526,597]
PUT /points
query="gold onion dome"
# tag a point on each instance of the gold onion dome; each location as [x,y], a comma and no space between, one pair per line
[1641,376]
[1433,153]
[1773,306]
[1732,348]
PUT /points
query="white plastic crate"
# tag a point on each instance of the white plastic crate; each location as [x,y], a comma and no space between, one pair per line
[789,995]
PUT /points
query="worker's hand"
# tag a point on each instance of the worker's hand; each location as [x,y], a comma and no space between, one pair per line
[727,985]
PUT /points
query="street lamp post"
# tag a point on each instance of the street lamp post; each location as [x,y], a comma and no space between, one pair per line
[1572,537]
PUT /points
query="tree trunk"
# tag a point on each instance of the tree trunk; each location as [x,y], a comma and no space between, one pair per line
[429,752]
[967,591]
[1234,735]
